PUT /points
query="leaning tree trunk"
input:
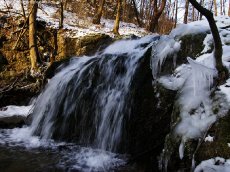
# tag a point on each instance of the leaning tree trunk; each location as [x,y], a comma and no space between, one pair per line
[33,5]
[136,12]
[218,51]
[97,18]
[117,21]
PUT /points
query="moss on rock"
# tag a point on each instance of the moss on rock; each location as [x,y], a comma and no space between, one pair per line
[191,45]
[86,45]
[219,147]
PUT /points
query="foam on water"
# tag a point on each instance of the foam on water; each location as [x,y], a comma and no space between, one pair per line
[72,156]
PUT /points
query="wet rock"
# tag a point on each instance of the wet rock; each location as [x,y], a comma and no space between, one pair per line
[191,46]
[86,45]
[150,118]
[12,121]
[220,146]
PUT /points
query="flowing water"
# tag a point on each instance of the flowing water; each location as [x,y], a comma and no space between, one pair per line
[79,118]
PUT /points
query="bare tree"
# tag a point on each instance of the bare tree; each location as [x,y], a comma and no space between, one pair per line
[97,18]
[33,6]
[218,51]
[215,6]
[193,14]
[229,8]
[186,12]
[136,12]
[65,4]
[61,14]
[117,21]
[201,3]
[224,7]
[157,11]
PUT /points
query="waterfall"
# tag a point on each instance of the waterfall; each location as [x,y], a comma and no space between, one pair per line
[88,101]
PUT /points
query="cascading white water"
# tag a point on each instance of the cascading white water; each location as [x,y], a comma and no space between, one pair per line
[90,108]
[86,102]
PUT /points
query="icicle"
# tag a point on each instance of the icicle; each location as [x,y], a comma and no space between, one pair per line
[166,46]
[181,148]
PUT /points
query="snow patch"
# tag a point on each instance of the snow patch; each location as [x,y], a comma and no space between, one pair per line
[215,164]
[191,29]
[209,139]
[129,46]
[12,110]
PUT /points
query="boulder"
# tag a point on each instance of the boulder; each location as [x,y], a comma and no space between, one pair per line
[85,45]
[12,121]
[14,116]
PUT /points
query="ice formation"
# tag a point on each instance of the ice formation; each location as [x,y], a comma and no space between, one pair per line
[166,46]
[215,164]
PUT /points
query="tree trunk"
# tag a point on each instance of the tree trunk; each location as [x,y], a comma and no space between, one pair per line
[136,12]
[215,6]
[211,5]
[97,18]
[153,26]
[193,15]
[201,3]
[186,12]
[117,21]
[224,7]
[221,7]
[61,14]
[33,5]
[175,22]
[65,4]
[229,8]
[218,51]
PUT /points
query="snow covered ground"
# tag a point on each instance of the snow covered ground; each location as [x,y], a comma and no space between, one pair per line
[73,25]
